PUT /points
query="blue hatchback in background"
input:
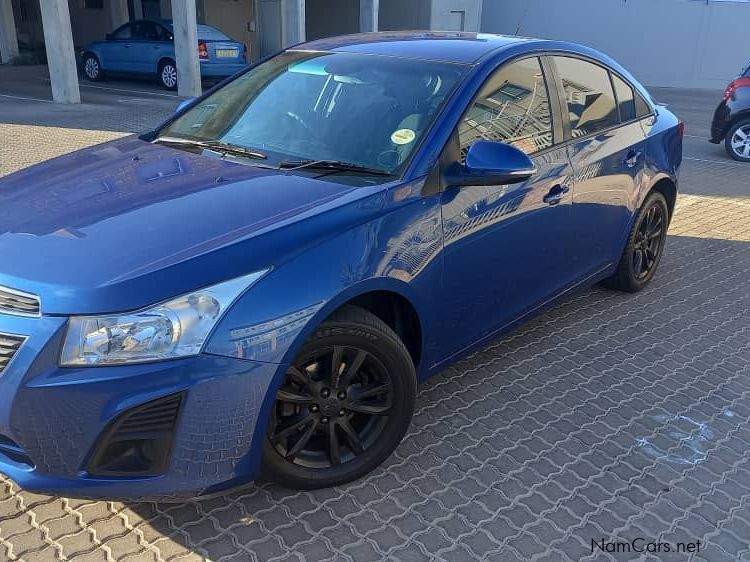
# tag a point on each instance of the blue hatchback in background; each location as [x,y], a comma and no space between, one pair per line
[146,47]
[257,286]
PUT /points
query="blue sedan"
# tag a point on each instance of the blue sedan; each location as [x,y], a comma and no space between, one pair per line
[146,47]
[256,287]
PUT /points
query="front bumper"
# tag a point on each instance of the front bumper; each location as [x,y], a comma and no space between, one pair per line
[57,416]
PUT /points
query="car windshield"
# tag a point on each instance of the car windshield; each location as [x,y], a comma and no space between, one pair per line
[304,107]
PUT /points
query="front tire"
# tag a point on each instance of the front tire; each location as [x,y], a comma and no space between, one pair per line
[167,74]
[737,141]
[344,405]
[644,247]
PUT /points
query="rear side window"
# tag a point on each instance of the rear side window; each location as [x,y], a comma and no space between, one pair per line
[588,94]
[642,107]
[625,99]
[512,107]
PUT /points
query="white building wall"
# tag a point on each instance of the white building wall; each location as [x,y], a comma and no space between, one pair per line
[456,15]
[674,43]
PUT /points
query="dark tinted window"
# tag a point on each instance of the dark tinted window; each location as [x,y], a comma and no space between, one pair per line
[125,32]
[512,107]
[150,31]
[642,108]
[625,99]
[588,93]
[164,34]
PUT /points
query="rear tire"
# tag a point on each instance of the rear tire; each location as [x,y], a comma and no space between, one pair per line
[92,68]
[167,74]
[737,141]
[344,405]
[644,247]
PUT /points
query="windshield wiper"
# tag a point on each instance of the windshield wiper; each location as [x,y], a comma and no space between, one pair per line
[217,146]
[335,165]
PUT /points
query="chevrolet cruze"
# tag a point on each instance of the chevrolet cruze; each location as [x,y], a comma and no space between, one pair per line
[256,287]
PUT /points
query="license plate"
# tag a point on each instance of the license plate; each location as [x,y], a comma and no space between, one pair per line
[226,53]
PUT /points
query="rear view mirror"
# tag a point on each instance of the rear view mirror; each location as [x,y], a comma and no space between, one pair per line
[490,163]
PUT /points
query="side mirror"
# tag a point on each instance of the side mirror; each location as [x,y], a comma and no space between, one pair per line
[490,163]
[183,104]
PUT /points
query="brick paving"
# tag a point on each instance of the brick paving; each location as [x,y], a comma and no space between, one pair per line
[611,417]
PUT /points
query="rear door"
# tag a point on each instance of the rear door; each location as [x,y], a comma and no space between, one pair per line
[607,151]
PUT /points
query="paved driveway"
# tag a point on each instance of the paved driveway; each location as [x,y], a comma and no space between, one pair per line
[611,418]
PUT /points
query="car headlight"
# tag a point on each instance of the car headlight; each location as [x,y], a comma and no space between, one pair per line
[172,329]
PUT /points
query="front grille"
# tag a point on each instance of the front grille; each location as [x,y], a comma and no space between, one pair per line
[19,303]
[9,345]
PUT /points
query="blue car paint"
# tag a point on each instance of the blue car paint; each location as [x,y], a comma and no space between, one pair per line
[143,56]
[126,224]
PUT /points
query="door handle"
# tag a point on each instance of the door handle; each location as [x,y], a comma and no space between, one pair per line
[555,194]
[632,158]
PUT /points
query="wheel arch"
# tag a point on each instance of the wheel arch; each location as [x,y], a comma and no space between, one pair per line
[378,296]
[389,299]
[665,184]
[163,60]
[668,188]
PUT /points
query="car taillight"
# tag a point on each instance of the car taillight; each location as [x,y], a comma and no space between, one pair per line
[202,51]
[743,82]
[681,128]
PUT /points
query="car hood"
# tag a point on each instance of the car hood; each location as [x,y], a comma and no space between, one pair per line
[127,223]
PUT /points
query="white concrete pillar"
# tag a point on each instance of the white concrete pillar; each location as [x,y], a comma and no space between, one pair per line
[118,12]
[368,15]
[292,22]
[61,57]
[186,48]
[8,37]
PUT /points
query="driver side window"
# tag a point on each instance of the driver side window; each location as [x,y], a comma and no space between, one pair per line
[512,107]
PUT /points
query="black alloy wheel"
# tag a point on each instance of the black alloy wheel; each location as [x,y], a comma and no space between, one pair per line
[648,242]
[344,404]
[645,246]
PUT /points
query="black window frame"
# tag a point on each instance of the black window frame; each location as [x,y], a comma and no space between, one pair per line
[560,91]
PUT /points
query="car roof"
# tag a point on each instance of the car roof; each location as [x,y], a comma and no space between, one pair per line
[448,46]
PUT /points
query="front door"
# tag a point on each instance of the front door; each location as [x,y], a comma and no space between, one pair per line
[506,246]
[608,154]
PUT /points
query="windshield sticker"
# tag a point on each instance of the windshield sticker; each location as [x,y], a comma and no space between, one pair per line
[403,136]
